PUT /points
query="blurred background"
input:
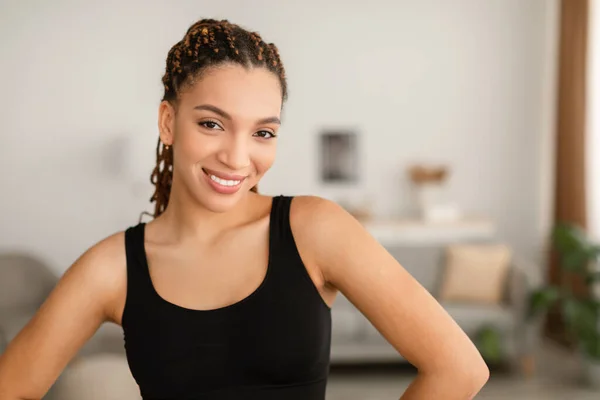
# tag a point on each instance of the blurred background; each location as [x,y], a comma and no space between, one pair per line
[464,134]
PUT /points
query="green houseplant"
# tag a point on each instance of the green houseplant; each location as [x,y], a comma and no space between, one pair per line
[488,341]
[578,257]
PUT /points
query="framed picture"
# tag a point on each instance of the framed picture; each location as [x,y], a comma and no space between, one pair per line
[339,157]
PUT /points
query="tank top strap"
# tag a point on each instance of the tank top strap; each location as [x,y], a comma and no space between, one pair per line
[289,270]
[139,283]
[134,250]
[281,231]
[282,246]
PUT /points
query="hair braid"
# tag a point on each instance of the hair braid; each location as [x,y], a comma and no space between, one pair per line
[162,177]
[207,43]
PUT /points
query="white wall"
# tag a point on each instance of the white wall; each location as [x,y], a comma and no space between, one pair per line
[464,82]
[593,122]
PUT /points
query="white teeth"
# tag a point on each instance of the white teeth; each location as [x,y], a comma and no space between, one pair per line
[224,182]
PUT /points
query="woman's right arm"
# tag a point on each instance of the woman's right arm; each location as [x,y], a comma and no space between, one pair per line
[90,292]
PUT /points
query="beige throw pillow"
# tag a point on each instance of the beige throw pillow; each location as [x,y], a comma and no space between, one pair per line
[475,273]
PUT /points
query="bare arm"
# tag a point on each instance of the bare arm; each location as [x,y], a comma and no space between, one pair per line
[349,259]
[85,297]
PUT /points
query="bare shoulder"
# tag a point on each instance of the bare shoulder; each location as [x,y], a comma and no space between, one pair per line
[320,227]
[313,212]
[317,218]
[104,261]
[307,205]
[325,229]
[102,269]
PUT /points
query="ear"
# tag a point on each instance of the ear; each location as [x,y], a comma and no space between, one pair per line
[166,122]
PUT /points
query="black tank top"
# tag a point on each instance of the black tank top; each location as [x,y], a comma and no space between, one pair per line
[274,344]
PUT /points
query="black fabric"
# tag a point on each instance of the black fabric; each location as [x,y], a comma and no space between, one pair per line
[274,344]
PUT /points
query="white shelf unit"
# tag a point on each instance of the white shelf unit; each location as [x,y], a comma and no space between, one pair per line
[414,232]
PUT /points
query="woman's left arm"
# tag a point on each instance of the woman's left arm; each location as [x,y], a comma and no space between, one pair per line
[349,259]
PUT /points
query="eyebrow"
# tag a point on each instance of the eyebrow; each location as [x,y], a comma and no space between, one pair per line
[218,111]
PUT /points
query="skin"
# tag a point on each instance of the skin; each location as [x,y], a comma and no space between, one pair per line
[338,253]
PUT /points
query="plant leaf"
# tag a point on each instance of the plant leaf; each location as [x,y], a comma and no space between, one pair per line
[581,317]
[591,346]
[592,277]
[574,248]
[542,299]
[568,238]
[489,343]
[570,310]
[575,260]
[594,251]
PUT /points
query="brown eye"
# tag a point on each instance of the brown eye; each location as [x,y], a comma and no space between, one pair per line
[210,125]
[265,134]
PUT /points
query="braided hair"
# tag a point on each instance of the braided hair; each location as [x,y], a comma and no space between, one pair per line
[207,43]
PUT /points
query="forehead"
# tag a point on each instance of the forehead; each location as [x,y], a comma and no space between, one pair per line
[254,92]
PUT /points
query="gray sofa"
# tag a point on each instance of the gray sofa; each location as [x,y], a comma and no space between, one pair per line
[355,340]
[25,282]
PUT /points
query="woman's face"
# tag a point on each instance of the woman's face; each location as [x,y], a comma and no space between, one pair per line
[223,133]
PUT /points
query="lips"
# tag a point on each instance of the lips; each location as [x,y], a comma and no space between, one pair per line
[223,183]
[223,176]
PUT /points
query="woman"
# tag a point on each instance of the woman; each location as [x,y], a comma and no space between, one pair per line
[227,293]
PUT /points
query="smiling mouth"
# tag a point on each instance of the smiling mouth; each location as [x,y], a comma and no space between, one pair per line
[223,179]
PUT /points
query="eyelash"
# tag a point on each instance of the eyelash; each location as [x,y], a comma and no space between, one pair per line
[267,132]
[205,123]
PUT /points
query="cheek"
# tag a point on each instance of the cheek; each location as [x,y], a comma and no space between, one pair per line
[193,146]
[264,157]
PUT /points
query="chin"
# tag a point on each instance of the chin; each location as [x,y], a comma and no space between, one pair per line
[218,203]
[222,196]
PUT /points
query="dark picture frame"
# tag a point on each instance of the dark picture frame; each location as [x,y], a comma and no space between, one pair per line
[339,156]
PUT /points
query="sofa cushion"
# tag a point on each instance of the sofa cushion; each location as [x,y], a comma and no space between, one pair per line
[475,273]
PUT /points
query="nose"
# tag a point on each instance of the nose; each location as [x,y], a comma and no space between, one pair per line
[235,153]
